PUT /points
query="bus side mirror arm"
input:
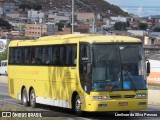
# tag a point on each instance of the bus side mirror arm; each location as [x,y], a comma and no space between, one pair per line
[148,67]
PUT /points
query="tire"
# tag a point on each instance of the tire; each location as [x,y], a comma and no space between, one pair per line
[77,106]
[32,99]
[24,97]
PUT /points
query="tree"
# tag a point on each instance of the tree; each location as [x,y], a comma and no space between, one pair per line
[5,24]
[37,7]
[156,29]
[120,26]
[30,6]
[69,25]
[3,55]
[24,6]
[143,26]
[128,24]
[60,26]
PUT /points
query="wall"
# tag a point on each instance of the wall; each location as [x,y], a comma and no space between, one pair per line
[154,76]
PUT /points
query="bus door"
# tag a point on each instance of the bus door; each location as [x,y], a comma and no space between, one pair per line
[85,67]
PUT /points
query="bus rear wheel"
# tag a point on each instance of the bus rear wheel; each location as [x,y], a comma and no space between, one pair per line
[77,106]
[32,99]
[24,97]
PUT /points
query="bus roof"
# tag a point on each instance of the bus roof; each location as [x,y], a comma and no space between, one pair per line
[73,38]
[4,60]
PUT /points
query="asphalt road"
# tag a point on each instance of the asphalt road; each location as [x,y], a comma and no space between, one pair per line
[60,113]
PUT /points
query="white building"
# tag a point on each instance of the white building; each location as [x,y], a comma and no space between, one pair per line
[13,15]
[3,44]
[137,32]
[35,14]
[119,19]
[58,17]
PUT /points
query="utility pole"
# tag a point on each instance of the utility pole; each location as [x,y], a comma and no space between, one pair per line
[72,16]
[94,16]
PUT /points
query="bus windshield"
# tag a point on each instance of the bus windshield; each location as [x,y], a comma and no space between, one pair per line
[118,67]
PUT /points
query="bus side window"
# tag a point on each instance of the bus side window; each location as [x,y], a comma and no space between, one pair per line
[61,55]
[71,55]
[55,55]
[32,55]
[74,55]
[11,55]
[26,55]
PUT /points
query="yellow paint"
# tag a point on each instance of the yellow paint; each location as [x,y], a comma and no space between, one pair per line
[61,82]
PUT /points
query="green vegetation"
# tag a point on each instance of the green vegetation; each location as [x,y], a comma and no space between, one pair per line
[30,6]
[120,26]
[143,26]
[156,29]
[5,24]
[60,26]
[154,84]
[3,55]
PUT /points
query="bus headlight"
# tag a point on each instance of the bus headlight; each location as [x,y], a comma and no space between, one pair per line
[144,95]
[101,98]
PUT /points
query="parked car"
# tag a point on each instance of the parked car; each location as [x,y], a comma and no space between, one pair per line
[3,68]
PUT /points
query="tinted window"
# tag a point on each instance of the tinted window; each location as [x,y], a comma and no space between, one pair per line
[58,55]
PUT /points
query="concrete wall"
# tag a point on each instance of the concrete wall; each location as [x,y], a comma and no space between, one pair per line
[154,76]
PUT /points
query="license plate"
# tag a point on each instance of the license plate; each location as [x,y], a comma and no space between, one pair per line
[123,103]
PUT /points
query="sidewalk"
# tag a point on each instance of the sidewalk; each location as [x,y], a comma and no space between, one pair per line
[3,79]
[153,92]
[154,97]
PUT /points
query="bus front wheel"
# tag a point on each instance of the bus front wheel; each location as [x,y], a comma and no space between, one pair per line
[24,97]
[32,99]
[77,105]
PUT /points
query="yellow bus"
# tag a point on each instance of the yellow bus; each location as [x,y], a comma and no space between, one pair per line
[79,71]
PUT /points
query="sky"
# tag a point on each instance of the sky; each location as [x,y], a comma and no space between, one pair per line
[138,7]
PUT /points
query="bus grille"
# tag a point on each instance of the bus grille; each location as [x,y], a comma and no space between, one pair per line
[119,96]
[115,97]
[129,96]
[11,87]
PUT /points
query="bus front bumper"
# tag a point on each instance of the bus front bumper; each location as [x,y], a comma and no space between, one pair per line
[115,105]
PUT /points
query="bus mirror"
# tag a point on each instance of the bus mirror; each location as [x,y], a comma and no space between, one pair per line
[148,67]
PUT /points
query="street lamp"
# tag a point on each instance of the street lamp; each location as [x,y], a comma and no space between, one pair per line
[93,24]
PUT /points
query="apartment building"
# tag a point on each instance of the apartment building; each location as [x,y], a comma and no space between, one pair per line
[39,30]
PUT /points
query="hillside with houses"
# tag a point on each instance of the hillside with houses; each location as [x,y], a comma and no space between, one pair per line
[31,19]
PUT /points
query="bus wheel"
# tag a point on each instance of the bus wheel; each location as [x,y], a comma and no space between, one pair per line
[32,98]
[24,97]
[77,106]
